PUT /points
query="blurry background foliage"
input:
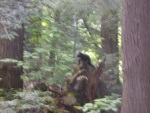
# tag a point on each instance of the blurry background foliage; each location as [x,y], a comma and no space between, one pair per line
[55,31]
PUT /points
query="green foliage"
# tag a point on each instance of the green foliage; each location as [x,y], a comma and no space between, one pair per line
[7,94]
[13,14]
[108,103]
[37,67]
[29,100]
[52,39]
[112,73]
[54,32]
[111,65]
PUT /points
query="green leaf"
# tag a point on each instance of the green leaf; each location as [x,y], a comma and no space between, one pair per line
[78,107]
[9,60]
[85,109]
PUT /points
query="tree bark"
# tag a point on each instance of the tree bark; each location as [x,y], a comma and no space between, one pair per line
[8,72]
[136,57]
[109,32]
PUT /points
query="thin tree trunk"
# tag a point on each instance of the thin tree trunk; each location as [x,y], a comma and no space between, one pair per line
[53,54]
[136,56]
[75,36]
[11,49]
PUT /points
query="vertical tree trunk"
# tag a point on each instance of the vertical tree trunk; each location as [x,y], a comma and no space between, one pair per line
[53,54]
[75,35]
[109,31]
[136,56]
[11,49]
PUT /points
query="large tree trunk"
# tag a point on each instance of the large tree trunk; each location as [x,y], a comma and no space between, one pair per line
[109,32]
[11,49]
[136,56]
